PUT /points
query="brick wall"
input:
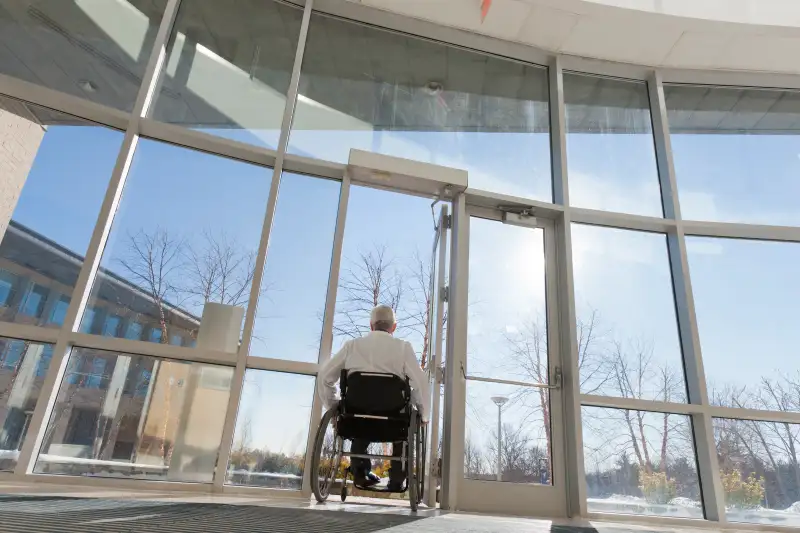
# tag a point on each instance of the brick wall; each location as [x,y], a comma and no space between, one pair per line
[20,136]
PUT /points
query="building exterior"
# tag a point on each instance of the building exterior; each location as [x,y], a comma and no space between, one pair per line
[606,311]
[110,408]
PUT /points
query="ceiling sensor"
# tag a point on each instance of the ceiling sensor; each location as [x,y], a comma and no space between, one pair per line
[87,86]
[433,88]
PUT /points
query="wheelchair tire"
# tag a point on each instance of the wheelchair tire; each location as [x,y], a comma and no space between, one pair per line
[421,455]
[411,465]
[326,459]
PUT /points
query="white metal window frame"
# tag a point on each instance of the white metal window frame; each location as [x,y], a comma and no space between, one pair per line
[136,125]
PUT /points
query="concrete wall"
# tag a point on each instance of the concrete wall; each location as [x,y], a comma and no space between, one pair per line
[20,136]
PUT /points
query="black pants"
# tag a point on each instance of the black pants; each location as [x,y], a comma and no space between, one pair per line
[360,467]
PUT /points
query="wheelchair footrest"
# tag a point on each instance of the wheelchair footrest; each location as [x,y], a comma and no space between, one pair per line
[383,489]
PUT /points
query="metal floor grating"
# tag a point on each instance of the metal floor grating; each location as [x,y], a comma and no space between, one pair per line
[44,514]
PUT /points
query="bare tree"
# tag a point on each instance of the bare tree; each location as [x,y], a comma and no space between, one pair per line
[154,261]
[418,310]
[369,280]
[529,360]
[219,270]
[528,350]
[592,363]
[417,307]
[474,459]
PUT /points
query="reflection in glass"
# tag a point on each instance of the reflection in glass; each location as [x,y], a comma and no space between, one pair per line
[289,316]
[747,299]
[385,260]
[93,50]
[228,68]
[374,90]
[610,151]
[735,153]
[54,171]
[134,416]
[628,342]
[758,463]
[507,332]
[522,416]
[185,234]
[269,443]
[23,366]
[642,463]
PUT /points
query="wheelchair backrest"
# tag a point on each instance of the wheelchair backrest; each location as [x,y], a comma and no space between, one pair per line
[375,394]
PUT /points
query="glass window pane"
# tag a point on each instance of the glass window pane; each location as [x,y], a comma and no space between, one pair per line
[747,299]
[292,301]
[23,366]
[640,463]
[111,326]
[735,153]
[366,88]
[507,333]
[54,172]
[610,151]
[33,301]
[186,233]
[269,443]
[387,241]
[227,69]
[91,49]
[59,312]
[628,338]
[134,331]
[758,463]
[166,426]
[514,420]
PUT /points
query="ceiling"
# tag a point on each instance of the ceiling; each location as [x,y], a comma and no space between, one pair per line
[749,35]
[230,68]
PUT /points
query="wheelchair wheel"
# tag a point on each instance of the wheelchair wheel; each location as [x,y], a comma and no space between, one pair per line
[413,473]
[420,455]
[327,457]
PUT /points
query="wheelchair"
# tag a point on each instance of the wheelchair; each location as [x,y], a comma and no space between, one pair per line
[375,407]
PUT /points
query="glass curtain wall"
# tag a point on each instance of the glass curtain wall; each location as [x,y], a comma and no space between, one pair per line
[123,221]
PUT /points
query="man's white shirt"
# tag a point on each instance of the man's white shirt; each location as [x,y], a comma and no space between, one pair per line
[376,352]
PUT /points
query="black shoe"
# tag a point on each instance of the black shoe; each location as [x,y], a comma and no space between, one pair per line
[395,486]
[367,481]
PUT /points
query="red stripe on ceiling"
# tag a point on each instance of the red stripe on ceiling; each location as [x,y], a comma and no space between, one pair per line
[485,5]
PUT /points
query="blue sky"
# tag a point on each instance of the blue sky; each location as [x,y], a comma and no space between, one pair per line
[622,274]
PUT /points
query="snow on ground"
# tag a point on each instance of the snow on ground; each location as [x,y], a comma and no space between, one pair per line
[688,508]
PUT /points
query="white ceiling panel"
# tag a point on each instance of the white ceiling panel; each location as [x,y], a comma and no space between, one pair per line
[634,39]
[547,28]
[696,50]
[772,54]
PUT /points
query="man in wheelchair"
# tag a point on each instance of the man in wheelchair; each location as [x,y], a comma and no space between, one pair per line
[378,352]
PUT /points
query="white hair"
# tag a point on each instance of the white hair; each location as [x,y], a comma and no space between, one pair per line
[383,317]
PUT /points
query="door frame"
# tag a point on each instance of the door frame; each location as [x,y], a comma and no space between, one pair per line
[459,493]
[392,174]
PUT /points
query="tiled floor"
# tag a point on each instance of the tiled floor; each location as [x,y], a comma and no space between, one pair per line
[46,508]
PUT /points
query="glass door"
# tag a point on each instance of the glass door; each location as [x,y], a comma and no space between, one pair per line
[513,440]
[432,360]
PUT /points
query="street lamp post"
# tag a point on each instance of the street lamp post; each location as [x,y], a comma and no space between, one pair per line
[499,401]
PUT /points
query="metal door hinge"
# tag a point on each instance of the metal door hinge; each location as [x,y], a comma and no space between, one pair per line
[448,221]
[556,383]
[444,294]
[440,375]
